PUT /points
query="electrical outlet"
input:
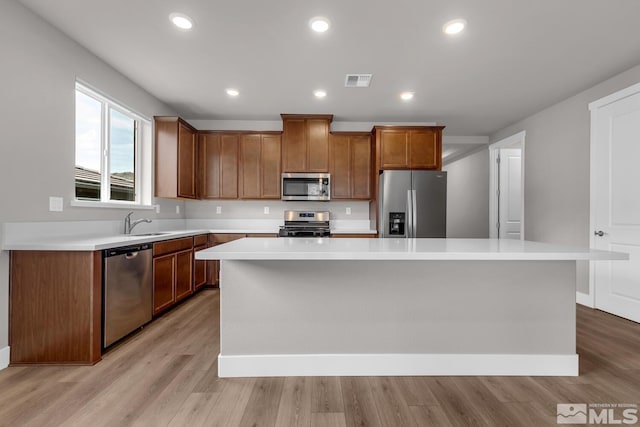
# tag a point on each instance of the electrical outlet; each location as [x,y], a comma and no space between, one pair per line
[266,210]
[56,204]
[177,209]
[348,211]
[158,208]
[218,209]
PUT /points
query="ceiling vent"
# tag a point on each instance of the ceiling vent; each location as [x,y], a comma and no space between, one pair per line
[358,80]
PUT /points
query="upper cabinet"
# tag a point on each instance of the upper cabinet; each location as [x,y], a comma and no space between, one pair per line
[175,158]
[218,153]
[305,142]
[259,166]
[350,165]
[403,147]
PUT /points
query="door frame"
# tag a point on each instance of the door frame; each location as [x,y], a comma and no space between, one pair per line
[514,141]
[590,299]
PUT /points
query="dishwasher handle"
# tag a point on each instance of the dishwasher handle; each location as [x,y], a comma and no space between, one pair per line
[130,252]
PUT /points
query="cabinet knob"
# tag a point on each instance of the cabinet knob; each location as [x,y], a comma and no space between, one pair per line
[599,233]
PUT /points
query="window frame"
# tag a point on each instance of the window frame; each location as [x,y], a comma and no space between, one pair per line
[142,183]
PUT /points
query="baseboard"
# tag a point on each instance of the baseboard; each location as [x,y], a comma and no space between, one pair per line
[397,365]
[584,299]
[4,357]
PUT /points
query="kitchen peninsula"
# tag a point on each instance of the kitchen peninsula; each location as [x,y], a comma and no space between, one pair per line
[345,307]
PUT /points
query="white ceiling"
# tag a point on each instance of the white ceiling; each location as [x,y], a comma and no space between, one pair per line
[515,58]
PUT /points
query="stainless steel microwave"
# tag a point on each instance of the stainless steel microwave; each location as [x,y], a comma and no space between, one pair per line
[306,186]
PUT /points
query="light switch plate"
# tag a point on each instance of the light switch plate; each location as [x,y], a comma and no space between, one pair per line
[56,204]
[177,209]
[218,209]
[266,210]
[348,211]
[158,209]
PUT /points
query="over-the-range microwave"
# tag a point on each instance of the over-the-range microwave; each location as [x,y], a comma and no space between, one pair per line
[306,186]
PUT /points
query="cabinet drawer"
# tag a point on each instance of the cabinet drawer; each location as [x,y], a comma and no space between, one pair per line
[169,246]
[262,235]
[200,240]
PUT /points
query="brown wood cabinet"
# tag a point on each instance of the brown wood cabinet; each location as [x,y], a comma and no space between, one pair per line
[172,272]
[199,266]
[218,165]
[175,158]
[259,166]
[350,165]
[408,147]
[55,301]
[305,142]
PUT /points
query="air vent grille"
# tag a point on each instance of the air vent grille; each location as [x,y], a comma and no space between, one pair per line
[358,80]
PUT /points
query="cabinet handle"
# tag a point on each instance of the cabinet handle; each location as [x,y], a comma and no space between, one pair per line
[599,233]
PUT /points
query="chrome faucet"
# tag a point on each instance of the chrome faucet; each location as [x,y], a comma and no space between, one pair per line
[128,225]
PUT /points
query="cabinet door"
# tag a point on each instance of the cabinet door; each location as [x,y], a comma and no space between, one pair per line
[317,145]
[394,149]
[340,167]
[186,162]
[229,166]
[209,153]
[360,147]
[199,270]
[270,167]
[249,170]
[163,279]
[425,151]
[184,274]
[294,146]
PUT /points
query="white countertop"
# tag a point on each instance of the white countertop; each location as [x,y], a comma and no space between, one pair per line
[399,249]
[100,241]
[96,242]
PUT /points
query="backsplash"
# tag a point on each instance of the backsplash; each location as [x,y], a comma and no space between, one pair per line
[254,209]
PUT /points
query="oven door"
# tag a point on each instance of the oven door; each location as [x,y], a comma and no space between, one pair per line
[306,186]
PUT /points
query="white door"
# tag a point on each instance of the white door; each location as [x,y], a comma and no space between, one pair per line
[506,198]
[615,194]
[510,194]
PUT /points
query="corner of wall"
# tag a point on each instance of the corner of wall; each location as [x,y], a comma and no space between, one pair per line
[4,357]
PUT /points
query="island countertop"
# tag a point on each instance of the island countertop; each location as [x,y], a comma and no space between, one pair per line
[400,249]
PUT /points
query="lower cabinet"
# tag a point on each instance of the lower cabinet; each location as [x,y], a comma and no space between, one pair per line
[172,272]
[200,275]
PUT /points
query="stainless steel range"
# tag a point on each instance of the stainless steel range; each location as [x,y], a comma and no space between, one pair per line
[305,224]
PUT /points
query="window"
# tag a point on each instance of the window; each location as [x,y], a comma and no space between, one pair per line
[112,144]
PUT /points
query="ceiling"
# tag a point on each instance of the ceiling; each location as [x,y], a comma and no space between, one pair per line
[514,58]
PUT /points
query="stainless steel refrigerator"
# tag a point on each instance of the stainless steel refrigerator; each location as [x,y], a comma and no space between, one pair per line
[412,204]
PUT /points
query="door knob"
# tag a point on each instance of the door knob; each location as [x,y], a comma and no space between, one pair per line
[599,233]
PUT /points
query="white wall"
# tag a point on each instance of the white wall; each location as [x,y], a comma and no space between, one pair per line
[468,196]
[556,194]
[37,78]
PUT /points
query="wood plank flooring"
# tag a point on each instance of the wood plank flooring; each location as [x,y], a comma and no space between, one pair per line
[166,375]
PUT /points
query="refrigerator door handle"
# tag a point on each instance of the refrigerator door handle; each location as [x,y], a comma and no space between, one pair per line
[414,214]
[409,224]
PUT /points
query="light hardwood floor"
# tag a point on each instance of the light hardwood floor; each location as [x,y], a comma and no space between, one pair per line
[166,375]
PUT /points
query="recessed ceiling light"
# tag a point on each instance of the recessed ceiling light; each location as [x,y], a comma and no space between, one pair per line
[320,93]
[319,24]
[406,96]
[232,92]
[181,21]
[454,26]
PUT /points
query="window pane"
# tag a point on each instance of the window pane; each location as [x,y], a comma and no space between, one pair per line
[88,150]
[122,156]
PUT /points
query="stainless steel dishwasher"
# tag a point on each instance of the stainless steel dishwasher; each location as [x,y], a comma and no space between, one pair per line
[127,301]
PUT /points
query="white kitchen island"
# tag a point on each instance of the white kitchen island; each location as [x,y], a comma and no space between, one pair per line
[344,307]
